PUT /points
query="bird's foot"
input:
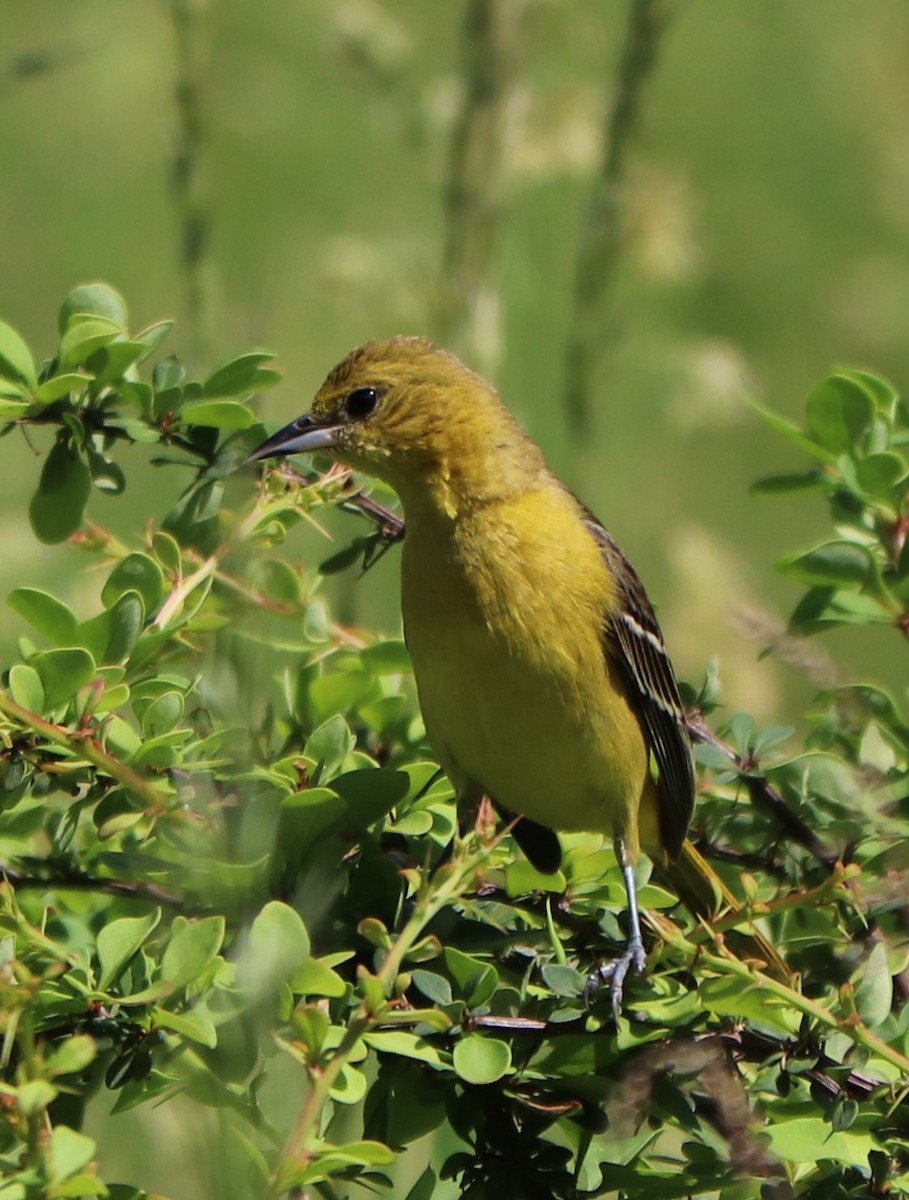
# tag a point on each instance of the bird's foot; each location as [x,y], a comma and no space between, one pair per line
[614,972]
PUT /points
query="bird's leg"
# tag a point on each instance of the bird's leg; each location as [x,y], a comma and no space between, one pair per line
[616,970]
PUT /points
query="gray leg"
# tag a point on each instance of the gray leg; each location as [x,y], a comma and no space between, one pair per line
[634,956]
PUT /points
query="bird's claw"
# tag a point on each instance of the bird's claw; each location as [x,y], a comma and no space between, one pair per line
[614,973]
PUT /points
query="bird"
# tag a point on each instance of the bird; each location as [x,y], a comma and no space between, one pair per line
[542,673]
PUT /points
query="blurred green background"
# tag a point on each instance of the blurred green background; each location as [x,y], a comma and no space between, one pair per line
[765,238]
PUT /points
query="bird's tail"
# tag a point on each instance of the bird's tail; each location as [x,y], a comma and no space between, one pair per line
[706,896]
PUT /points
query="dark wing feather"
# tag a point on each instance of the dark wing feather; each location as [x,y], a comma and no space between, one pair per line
[634,642]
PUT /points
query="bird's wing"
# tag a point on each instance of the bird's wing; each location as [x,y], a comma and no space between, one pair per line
[633,641]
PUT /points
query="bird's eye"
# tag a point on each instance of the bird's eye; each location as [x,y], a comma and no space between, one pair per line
[362,401]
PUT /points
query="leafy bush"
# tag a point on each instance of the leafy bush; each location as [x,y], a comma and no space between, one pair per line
[224,873]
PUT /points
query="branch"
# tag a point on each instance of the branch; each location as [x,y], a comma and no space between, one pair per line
[600,242]
[473,195]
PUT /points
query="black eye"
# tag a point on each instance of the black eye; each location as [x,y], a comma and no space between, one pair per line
[362,401]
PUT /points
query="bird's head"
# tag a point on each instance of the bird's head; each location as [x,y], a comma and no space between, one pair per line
[413,415]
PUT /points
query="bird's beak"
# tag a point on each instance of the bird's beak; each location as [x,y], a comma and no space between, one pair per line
[299,437]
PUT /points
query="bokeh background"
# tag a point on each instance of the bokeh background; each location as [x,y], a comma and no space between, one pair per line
[762,237]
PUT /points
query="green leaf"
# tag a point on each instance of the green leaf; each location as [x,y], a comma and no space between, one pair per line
[62,672]
[35,1095]
[119,940]
[370,792]
[350,1087]
[330,744]
[219,414]
[240,374]
[44,612]
[59,386]
[434,987]
[793,434]
[137,572]
[57,507]
[97,299]
[878,473]
[16,362]
[192,947]
[314,978]
[811,1140]
[386,658]
[775,485]
[563,980]
[403,1043]
[833,564]
[874,988]
[480,1059]
[152,336]
[69,1153]
[26,687]
[73,1055]
[277,947]
[840,413]
[190,1026]
[83,338]
[476,981]
[522,877]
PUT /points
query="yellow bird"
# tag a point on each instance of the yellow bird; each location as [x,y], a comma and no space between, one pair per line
[542,673]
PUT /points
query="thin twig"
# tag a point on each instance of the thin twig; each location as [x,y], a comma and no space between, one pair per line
[474,190]
[600,242]
[190,197]
[78,882]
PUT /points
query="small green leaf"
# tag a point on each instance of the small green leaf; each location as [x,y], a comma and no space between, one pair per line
[793,434]
[192,947]
[62,673]
[83,338]
[833,564]
[878,473]
[44,612]
[840,413]
[277,946]
[97,299]
[35,1095]
[136,572]
[152,336]
[386,658]
[434,987]
[313,978]
[219,414]
[404,1043]
[480,1059]
[522,877]
[874,989]
[563,980]
[74,1054]
[240,374]
[16,362]
[119,940]
[190,1026]
[330,744]
[59,386]
[69,1153]
[56,508]
[26,687]
[775,485]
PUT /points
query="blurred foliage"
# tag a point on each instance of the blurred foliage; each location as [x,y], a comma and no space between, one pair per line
[226,887]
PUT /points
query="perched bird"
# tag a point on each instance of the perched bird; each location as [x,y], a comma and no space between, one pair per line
[542,673]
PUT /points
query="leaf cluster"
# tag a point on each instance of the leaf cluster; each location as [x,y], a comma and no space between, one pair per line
[227,879]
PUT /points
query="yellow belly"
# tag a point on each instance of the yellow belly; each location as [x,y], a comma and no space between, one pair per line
[518,696]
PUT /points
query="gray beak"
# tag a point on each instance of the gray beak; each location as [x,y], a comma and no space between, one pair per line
[299,437]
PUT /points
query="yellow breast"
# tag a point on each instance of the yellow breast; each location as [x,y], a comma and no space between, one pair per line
[504,614]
